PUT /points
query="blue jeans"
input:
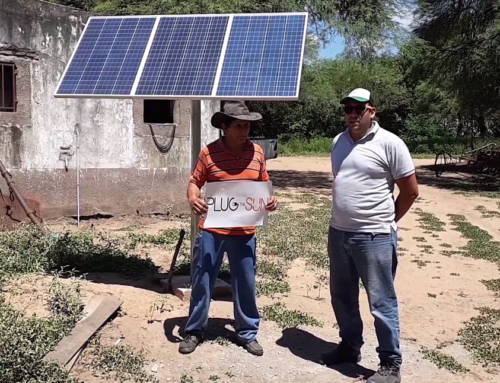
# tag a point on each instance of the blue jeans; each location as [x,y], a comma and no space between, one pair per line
[373,258]
[207,258]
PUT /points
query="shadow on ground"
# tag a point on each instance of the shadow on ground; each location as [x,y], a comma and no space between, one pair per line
[145,282]
[459,181]
[216,329]
[309,347]
[288,179]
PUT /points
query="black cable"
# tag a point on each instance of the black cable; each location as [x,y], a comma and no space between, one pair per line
[163,148]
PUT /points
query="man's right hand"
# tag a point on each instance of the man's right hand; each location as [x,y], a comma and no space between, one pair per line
[198,206]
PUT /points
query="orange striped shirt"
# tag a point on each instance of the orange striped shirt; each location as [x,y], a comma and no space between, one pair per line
[216,164]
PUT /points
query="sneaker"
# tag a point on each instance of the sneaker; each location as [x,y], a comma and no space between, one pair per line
[386,374]
[253,347]
[189,344]
[343,353]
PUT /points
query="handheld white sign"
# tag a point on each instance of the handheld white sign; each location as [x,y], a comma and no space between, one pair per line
[237,203]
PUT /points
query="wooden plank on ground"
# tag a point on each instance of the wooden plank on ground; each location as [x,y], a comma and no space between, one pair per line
[69,345]
[89,309]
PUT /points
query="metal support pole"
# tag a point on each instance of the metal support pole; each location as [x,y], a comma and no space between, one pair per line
[195,151]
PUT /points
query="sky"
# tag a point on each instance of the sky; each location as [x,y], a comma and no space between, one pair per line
[336,46]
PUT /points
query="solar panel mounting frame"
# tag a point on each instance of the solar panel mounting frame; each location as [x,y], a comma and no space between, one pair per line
[213,96]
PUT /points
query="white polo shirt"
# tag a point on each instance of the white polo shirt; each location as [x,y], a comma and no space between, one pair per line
[364,174]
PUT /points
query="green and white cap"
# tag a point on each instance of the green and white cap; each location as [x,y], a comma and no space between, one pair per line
[360,95]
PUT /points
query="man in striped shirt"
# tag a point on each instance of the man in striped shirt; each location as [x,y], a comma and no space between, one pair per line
[232,157]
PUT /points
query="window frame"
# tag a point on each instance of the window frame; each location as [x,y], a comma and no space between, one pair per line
[3,108]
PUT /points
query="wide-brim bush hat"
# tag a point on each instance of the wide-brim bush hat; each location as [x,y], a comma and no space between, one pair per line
[234,110]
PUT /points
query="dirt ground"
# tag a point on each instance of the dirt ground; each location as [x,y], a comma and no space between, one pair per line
[291,355]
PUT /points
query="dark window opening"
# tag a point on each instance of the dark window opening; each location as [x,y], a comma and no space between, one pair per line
[159,111]
[7,87]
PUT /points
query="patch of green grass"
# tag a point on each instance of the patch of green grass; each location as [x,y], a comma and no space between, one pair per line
[420,239]
[442,360]
[429,221]
[270,288]
[163,238]
[419,263]
[26,250]
[492,284]
[449,253]
[425,246]
[64,300]
[481,336]
[120,362]
[26,340]
[485,213]
[318,146]
[292,234]
[286,318]
[222,341]
[269,269]
[480,245]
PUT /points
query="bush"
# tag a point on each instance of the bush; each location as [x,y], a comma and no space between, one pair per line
[27,250]
[292,146]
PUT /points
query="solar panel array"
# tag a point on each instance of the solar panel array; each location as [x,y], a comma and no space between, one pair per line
[108,56]
[199,57]
[184,56]
[263,56]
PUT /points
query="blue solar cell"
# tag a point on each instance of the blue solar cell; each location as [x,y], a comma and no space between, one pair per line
[263,56]
[184,56]
[108,57]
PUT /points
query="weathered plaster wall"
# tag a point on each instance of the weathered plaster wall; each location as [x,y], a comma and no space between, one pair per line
[122,170]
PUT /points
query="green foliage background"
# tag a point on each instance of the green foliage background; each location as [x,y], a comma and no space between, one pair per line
[435,84]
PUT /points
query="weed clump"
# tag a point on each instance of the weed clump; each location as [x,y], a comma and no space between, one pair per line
[480,245]
[286,318]
[481,336]
[442,360]
[26,340]
[27,250]
[120,362]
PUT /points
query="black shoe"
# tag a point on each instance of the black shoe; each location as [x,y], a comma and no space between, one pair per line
[387,373]
[343,353]
[189,344]
[252,347]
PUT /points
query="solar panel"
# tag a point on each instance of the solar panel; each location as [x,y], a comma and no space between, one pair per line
[263,57]
[184,57]
[108,57]
[243,56]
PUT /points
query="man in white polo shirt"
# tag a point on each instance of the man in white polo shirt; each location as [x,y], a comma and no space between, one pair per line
[362,241]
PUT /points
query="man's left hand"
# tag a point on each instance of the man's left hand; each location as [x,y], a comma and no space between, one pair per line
[272,204]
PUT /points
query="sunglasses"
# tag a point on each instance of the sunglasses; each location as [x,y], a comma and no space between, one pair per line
[359,109]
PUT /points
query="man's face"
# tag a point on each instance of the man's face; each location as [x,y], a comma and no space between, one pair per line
[358,115]
[237,131]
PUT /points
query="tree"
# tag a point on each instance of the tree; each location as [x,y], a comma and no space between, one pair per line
[462,39]
[364,24]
